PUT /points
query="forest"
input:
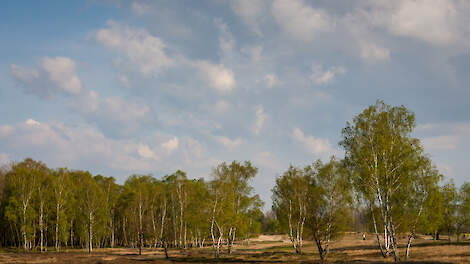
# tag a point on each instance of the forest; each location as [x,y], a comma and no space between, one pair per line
[385,185]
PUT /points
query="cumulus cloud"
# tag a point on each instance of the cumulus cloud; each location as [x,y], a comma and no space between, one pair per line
[52,76]
[260,119]
[437,23]
[145,152]
[217,76]
[171,145]
[144,50]
[56,76]
[82,145]
[301,20]
[318,146]
[323,76]
[61,71]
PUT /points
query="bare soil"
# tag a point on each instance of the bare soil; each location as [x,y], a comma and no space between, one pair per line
[264,249]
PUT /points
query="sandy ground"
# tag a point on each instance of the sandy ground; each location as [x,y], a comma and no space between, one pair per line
[264,249]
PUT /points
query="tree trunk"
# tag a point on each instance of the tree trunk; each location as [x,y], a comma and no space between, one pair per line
[140,230]
[57,229]
[41,225]
[90,232]
[25,239]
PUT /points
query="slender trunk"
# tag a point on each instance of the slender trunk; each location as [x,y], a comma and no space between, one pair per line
[41,225]
[216,249]
[140,230]
[112,228]
[25,239]
[377,234]
[57,228]
[229,241]
[163,219]
[90,232]
[71,233]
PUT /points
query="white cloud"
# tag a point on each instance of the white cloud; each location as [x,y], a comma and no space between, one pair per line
[318,146]
[228,143]
[441,22]
[323,76]
[52,76]
[61,71]
[32,122]
[435,22]
[301,20]
[145,51]
[83,146]
[145,152]
[259,120]
[23,74]
[217,76]
[171,145]
[122,113]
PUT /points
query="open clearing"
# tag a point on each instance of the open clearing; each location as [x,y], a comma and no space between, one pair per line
[264,249]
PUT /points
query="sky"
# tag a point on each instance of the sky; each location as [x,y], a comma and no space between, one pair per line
[139,87]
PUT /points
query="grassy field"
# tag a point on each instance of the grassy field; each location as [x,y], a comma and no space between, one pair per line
[267,249]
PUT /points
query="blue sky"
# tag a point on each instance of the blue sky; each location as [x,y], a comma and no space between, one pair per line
[123,87]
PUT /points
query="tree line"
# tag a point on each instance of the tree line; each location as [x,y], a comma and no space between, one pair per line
[60,208]
[385,185]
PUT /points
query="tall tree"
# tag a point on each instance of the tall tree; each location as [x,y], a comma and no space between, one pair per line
[22,179]
[290,199]
[463,209]
[379,146]
[60,186]
[91,201]
[139,188]
[329,200]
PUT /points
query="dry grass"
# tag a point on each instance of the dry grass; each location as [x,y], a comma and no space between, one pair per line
[265,249]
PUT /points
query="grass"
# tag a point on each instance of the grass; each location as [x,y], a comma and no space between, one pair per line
[349,249]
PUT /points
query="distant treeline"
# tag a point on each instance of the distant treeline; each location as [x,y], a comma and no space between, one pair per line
[42,207]
[385,184]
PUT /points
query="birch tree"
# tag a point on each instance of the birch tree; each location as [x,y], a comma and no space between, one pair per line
[139,188]
[290,199]
[423,196]
[60,187]
[43,198]
[463,209]
[379,146]
[91,202]
[22,179]
[329,200]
